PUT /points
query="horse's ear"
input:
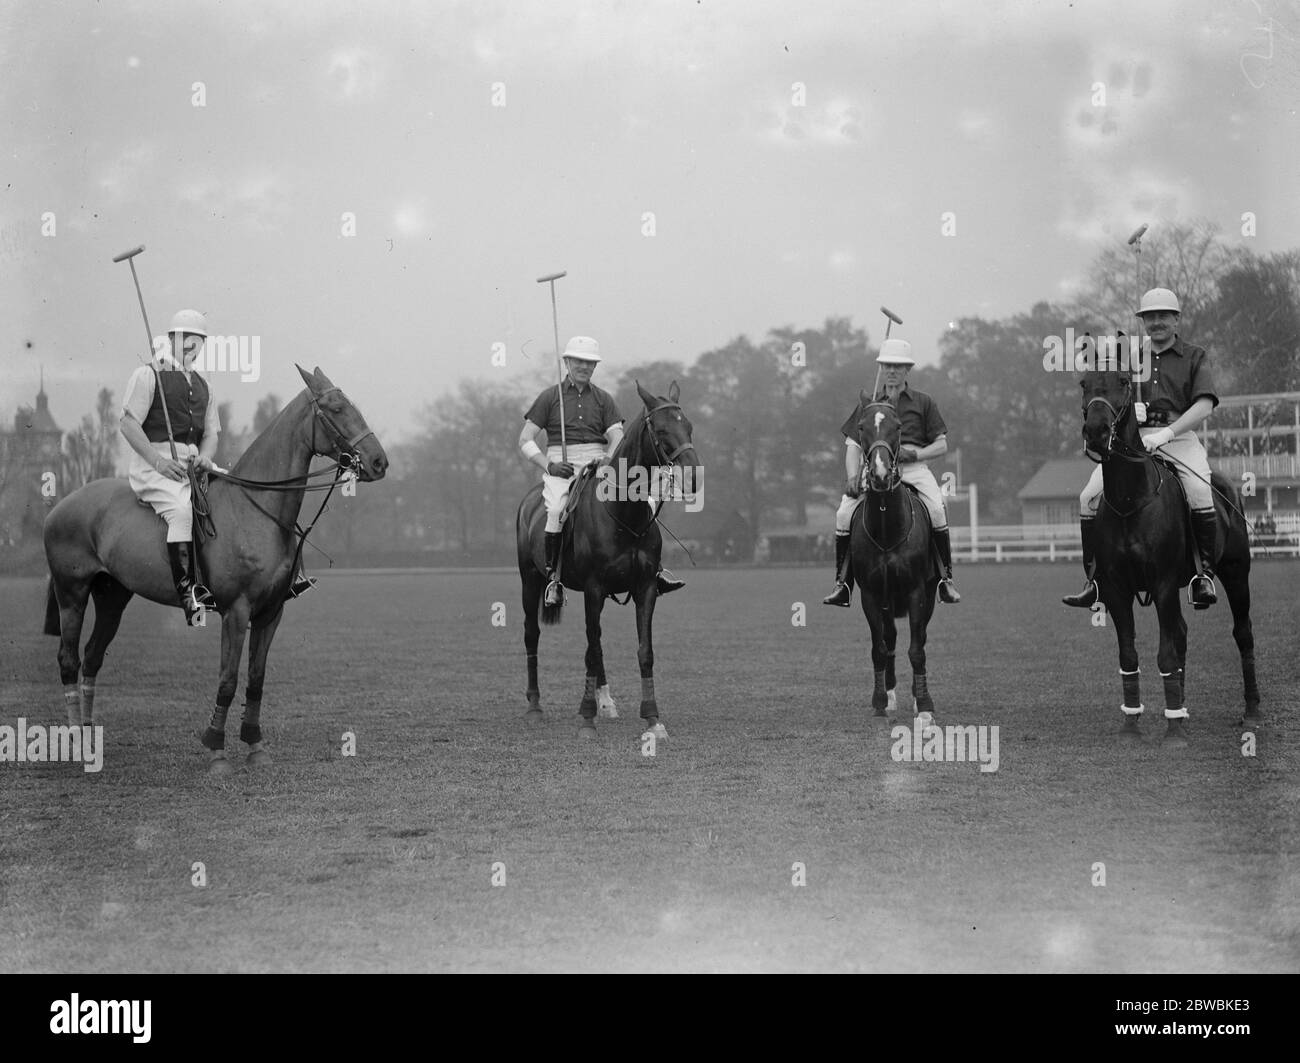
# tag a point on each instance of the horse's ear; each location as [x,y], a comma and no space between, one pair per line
[674,392]
[306,377]
[646,397]
[325,382]
[864,397]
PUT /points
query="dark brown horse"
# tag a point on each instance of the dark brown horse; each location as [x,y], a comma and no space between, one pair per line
[611,545]
[889,548]
[102,543]
[1144,546]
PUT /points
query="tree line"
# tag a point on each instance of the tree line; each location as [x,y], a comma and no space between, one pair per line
[767,412]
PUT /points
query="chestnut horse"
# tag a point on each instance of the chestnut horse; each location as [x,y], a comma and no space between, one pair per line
[103,543]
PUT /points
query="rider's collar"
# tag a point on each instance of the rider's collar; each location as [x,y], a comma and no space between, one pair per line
[164,360]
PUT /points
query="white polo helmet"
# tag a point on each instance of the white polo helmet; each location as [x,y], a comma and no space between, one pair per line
[191,321]
[895,352]
[1159,299]
[583,347]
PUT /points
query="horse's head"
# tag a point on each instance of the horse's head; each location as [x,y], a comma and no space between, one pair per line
[1107,410]
[339,431]
[668,436]
[879,432]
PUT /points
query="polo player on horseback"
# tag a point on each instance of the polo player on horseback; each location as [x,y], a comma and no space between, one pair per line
[593,428]
[154,475]
[1179,396]
[923,436]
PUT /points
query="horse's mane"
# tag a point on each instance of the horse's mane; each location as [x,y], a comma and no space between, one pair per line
[631,437]
[263,439]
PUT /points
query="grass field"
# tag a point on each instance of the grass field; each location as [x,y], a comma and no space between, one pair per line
[680,862]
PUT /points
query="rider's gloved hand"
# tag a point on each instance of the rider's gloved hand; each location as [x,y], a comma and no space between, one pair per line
[853,487]
[559,468]
[1153,441]
[907,455]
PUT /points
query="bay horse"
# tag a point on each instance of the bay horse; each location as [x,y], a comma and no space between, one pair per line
[103,543]
[891,558]
[1144,545]
[611,545]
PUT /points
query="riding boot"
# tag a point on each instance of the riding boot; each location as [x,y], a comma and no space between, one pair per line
[554,591]
[667,582]
[195,598]
[1205,526]
[943,544]
[1087,597]
[843,593]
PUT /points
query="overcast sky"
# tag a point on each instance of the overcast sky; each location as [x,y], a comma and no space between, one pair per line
[768,209]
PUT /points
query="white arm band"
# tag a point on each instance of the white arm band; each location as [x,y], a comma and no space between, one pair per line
[530,449]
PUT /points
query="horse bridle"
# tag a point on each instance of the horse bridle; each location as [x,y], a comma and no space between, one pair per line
[895,477]
[662,460]
[1116,417]
[346,449]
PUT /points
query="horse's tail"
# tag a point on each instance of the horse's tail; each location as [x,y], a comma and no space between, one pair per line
[52,626]
[552,614]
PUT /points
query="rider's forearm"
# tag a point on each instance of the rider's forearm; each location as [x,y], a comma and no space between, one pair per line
[208,448]
[1192,418]
[937,449]
[133,433]
[852,460]
[532,452]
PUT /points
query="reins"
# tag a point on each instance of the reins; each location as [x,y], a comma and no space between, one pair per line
[346,464]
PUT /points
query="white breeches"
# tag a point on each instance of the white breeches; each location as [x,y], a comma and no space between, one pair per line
[916,473]
[169,498]
[1191,463]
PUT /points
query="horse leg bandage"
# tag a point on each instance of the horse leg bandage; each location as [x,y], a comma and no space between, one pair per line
[214,738]
[588,706]
[72,703]
[1132,689]
[87,699]
[1174,709]
[250,730]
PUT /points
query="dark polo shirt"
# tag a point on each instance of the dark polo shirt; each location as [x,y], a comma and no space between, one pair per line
[918,415]
[588,414]
[1179,376]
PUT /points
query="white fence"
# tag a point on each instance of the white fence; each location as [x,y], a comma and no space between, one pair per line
[1060,542]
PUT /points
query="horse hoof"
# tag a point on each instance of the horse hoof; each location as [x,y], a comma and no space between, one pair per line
[1175,736]
[533,715]
[658,730]
[891,704]
[1130,732]
[587,733]
[259,758]
[1251,717]
[219,766]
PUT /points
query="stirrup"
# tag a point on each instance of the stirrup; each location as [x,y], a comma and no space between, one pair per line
[301,584]
[667,582]
[842,595]
[194,608]
[1200,592]
[201,596]
[948,591]
[1086,598]
[554,593]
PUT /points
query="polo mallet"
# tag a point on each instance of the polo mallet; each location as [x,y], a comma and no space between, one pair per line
[551,278]
[893,319]
[1135,242]
[129,258]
